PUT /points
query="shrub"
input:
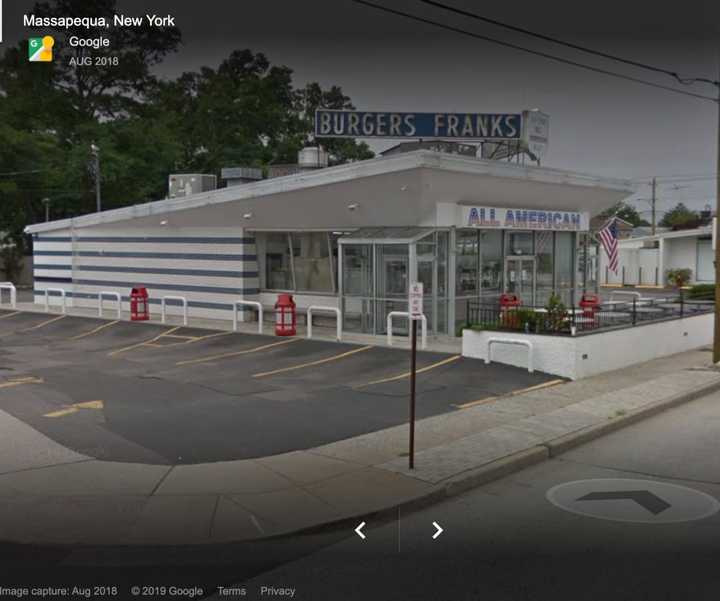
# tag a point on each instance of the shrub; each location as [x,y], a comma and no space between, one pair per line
[702,292]
[678,277]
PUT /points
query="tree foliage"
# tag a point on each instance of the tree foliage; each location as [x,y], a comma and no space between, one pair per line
[680,217]
[626,212]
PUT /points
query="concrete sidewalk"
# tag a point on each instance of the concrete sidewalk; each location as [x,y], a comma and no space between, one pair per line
[49,494]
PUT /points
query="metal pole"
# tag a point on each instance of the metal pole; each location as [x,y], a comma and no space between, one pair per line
[413,370]
[654,190]
[716,334]
[95,151]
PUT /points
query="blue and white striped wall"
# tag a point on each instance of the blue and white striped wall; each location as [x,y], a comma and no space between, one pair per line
[211,268]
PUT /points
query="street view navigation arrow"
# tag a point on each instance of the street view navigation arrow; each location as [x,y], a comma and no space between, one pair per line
[438,530]
[644,498]
[633,500]
[359,531]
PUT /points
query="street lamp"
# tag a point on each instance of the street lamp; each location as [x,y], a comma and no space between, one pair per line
[46,202]
[95,152]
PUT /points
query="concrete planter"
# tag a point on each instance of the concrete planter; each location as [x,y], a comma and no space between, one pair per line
[582,356]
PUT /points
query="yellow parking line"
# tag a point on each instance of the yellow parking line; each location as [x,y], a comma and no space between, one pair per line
[474,403]
[179,336]
[21,382]
[44,323]
[10,314]
[236,353]
[75,407]
[313,363]
[538,387]
[94,331]
[215,335]
[419,371]
[144,342]
[512,393]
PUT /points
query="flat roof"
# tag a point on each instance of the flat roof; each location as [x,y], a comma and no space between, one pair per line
[696,232]
[420,159]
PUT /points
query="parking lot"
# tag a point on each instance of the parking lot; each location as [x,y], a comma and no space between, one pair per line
[166,394]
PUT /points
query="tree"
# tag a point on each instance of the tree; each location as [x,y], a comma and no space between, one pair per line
[680,218]
[105,92]
[625,212]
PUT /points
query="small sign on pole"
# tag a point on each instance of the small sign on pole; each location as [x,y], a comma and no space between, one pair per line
[416,299]
[415,310]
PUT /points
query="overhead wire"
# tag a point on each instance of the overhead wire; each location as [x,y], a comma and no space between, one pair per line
[517,47]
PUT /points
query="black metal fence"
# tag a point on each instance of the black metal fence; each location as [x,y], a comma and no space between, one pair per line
[632,310]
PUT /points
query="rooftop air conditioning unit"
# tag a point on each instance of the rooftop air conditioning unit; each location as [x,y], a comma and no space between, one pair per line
[313,157]
[187,184]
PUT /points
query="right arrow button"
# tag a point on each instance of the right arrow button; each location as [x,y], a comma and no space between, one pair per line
[438,530]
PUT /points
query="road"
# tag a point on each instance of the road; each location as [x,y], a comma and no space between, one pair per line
[508,541]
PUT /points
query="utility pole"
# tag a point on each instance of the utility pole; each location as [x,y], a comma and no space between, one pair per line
[654,198]
[95,151]
[716,334]
[46,202]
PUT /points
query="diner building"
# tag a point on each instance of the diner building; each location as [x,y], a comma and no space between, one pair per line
[351,236]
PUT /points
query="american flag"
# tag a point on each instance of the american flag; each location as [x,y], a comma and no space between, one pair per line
[609,239]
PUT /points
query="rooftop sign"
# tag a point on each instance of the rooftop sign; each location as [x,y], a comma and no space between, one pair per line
[446,126]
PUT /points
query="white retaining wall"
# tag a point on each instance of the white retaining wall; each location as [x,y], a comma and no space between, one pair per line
[582,356]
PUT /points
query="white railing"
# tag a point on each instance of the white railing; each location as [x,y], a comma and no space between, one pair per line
[13,293]
[525,343]
[182,299]
[248,303]
[335,310]
[62,298]
[422,319]
[116,296]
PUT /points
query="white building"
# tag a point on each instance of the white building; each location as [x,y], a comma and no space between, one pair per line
[646,260]
[351,236]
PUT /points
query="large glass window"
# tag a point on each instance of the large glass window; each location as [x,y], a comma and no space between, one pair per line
[301,261]
[491,265]
[520,243]
[467,260]
[311,261]
[278,267]
[357,270]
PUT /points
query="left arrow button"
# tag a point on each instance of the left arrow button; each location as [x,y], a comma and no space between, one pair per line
[359,531]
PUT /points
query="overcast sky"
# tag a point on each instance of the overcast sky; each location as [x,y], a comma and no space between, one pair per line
[599,124]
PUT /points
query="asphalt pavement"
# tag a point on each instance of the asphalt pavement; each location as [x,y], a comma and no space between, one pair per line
[168,394]
[632,515]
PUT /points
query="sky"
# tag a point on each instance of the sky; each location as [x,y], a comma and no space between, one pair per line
[599,124]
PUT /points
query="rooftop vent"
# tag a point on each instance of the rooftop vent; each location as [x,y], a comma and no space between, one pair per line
[235,176]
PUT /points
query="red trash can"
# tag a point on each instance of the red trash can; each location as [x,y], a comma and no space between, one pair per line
[285,316]
[139,309]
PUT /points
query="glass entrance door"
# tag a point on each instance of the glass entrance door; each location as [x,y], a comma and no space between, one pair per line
[393,272]
[520,278]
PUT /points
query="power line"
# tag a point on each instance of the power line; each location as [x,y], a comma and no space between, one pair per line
[529,51]
[547,38]
[11,173]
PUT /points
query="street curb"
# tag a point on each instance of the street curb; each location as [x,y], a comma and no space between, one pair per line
[569,441]
[511,464]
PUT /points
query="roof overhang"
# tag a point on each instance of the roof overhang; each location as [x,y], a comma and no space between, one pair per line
[387,190]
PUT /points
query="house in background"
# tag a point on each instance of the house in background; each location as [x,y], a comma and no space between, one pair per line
[645,260]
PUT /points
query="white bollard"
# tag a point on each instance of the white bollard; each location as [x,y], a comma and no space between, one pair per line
[184,302]
[335,310]
[247,303]
[116,296]
[525,343]
[62,296]
[421,317]
[13,293]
